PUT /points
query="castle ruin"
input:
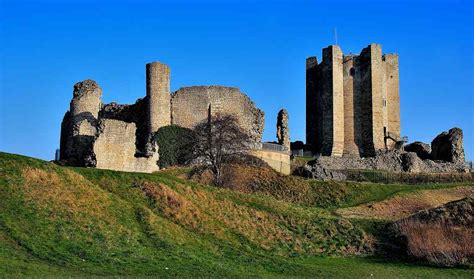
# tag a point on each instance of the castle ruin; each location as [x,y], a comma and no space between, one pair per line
[352,102]
[120,137]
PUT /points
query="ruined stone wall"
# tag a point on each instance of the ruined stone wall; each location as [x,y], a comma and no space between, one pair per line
[190,106]
[283,131]
[277,160]
[80,123]
[136,113]
[158,95]
[115,148]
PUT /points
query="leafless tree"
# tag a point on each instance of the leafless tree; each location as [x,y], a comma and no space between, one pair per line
[219,140]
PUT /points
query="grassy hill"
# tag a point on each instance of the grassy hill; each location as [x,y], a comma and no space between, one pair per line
[59,221]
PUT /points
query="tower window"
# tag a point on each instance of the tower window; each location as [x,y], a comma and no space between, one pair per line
[352,71]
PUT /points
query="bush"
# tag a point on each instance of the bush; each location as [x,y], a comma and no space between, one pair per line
[175,145]
[442,236]
[439,243]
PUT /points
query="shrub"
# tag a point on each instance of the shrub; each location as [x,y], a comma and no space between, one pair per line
[175,145]
[439,243]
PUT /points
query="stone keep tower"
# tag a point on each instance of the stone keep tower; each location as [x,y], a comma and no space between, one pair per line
[352,102]
[158,94]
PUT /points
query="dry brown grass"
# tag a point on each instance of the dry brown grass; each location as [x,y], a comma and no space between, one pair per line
[438,243]
[206,213]
[69,195]
[72,193]
[404,205]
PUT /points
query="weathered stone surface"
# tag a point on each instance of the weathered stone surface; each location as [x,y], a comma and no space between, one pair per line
[114,148]
[421,149]
[352,102]
[158,94]
[448,146]
[118,137]
[283,131]
[393,161]
[411,162]
[316,171]
[81,123]
[192,105]
[136,113]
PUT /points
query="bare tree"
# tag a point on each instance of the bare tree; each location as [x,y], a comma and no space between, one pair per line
[219,140]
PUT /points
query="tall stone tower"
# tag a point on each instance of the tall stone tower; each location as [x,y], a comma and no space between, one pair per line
[352,102]
[158,95]
[79,126]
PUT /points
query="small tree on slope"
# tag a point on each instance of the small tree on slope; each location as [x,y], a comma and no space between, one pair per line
[219,140]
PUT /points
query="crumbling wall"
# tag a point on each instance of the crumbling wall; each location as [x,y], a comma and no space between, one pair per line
[115,148]
[190,106]
[136,113]
[449,146]
[80,124]
[283,131]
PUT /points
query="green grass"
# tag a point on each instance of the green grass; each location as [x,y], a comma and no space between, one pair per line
[74,222]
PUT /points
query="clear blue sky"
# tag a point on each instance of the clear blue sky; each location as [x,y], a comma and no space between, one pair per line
[259,46]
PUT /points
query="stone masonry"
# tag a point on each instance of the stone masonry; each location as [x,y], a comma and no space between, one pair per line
[352,102]
[192,105]
[283,131]
[120,137]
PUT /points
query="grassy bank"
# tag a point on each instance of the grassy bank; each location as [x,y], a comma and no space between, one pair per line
[58,221]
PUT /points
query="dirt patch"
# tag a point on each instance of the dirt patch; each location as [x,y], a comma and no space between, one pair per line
[406,204]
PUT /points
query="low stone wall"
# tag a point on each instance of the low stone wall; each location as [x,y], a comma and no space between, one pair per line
[114,148]
[277,160]
[392,161]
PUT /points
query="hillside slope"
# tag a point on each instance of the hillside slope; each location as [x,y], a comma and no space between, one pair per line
[59,221]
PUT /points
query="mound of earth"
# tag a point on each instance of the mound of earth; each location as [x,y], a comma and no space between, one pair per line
[401,206]
[442,236]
